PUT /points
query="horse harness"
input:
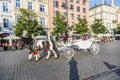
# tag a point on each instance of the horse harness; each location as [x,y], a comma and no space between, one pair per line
[46,45]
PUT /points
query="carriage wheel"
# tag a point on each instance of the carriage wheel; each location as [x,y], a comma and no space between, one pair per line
[69,54]
[94,49]
[75,47]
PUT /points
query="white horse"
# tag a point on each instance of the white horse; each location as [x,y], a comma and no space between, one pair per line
[49,47]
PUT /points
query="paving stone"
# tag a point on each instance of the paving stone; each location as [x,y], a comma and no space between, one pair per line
[14,65]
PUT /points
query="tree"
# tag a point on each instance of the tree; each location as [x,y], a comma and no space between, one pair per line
[28,22]
[60,24]
[118,29]
[98,27]
[0,29]
[81,26]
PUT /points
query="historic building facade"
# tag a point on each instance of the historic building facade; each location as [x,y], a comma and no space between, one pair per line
[5,16]
[70,9]
[108,13]
[118,15]
[10,10]
[45,9]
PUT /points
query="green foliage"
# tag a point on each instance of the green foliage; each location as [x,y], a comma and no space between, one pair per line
[0,29]
[82,26]
[60,25]
[28,22]
[98,27]
[118,29]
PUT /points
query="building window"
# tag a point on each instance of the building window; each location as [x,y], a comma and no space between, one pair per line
[5,22]
[5,7]
[29,5]
[70,0]
[78,8]
[77,1]
[17,17]
[78,16]
[84,10]
[42,8]
[55,4]
[72,16]
[64,5]
[71,6]
[42,21]
[64,14]
[55,13]
[83,2]
[18,3]
[84,17]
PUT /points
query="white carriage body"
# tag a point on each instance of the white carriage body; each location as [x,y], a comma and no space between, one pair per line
[89,44]
[82,44]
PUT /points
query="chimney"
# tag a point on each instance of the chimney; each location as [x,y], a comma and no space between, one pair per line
[112,2]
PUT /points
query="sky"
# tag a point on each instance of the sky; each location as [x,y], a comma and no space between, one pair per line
[92,2]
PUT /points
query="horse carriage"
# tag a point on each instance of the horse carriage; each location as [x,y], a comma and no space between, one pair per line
[47,44]
[89,44]
[67,49]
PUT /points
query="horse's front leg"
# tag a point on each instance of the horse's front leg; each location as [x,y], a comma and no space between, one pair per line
[48,54]
[30,55]
[37,56]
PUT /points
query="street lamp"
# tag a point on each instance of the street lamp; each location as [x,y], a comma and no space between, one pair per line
[48,32]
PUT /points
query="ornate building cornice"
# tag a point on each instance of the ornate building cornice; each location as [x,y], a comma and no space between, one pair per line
[43,1]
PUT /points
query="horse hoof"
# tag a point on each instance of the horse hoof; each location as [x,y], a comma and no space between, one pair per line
[47,58]
[37,60]
[56,57]
[30,60]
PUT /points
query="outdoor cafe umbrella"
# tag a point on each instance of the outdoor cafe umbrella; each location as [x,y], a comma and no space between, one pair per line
[10,38]
[40,36]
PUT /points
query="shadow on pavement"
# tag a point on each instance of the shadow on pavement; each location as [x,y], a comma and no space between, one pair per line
[73,75]
[113,68]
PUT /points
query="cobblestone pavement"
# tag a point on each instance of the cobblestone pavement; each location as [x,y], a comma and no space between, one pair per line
[14,65]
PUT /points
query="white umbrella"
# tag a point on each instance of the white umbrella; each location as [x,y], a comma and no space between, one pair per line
[108,35]
[40,37]
[100,35]
[12,37]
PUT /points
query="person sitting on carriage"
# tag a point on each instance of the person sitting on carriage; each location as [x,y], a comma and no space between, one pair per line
[64,37]
[83,37]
